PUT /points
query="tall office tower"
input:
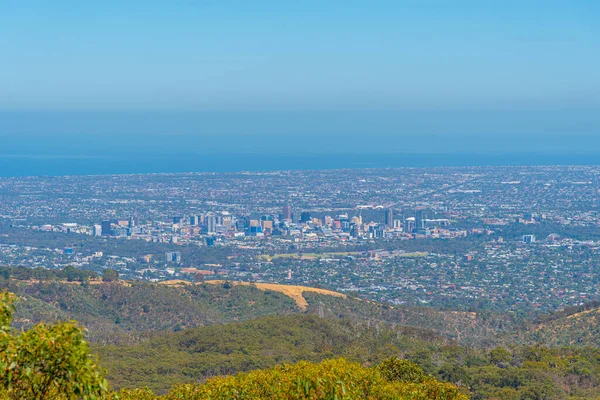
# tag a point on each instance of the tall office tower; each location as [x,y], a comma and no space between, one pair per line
[354,230]
[267,226]
[389,218]
[97,230]
[419,220]
[194,220]
[211,223]
[173,256]
[176,220]
[375,231]
[287,212]
[409,225]
[106,228]
[305,216]
[528,238]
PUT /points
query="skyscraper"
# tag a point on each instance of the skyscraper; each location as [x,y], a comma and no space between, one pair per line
[97,230]
[389,218]
[287,212]
[211,223]
[354,230]
[173,256]
[409,225]
[106,228]
[305,216]
[228,221]
[419,220]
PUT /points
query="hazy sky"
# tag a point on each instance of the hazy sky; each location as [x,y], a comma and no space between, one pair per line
[302,55]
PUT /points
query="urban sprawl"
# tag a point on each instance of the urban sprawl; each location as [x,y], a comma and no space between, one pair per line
[517,238]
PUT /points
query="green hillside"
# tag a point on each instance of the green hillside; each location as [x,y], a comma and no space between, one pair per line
[199,353]
[157,336]
[52,361]
[114,312]
[120,312]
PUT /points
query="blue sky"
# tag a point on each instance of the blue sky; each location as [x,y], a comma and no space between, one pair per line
[312,76]
[308,55]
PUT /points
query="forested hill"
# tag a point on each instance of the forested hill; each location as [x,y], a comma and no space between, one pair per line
[197,353]
[509,374]
[118,312]
[158,335]
[127,312]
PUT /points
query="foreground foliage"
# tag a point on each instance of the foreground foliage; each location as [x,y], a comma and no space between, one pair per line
[330,379]
[47,361]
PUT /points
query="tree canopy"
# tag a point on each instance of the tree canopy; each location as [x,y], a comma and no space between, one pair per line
[46,361]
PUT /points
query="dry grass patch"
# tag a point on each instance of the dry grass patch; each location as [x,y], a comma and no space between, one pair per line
[293,291]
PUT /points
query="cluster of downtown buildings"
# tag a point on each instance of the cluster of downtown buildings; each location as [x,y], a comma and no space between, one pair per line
[219,227]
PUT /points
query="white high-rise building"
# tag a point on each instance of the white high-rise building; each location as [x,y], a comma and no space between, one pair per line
[97,230]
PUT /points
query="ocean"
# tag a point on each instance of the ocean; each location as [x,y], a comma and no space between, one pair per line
[68,143]
[136,163]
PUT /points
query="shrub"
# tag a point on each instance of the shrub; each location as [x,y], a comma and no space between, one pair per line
[47,361]
[394,369]
[331,379]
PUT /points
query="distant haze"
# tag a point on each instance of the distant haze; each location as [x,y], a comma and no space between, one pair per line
[149,88]
[309,132]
